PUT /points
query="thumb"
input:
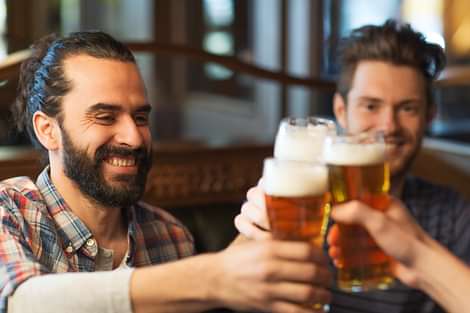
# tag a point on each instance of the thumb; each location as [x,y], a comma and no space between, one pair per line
[356,212]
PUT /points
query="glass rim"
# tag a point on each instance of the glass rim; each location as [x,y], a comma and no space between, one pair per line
[312,162]
[358,138]
[309,120]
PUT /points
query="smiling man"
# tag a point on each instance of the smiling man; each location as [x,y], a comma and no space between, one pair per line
[79,240]
[385,85]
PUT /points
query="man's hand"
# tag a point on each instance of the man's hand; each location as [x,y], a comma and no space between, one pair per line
[395,231]
[257,275]
[272,276]
[253,222]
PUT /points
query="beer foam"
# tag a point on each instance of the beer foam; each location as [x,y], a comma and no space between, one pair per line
[342,153]
[300,143]
[294,179]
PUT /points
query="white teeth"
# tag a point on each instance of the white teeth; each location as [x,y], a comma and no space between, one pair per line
[121,162]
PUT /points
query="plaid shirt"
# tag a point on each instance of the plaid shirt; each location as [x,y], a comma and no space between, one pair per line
[444,215]
[39,234]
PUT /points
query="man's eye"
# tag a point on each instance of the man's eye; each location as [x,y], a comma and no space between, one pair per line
[410,109]
[371,106]
[105,118]
[141,119]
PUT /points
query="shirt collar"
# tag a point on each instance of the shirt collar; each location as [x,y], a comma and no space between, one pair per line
[71,229]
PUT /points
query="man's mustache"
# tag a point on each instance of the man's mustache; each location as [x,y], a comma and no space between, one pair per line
[395,138]
[141,154]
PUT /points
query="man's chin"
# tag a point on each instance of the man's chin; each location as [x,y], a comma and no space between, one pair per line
[121,179]
[124,186]
[399,168]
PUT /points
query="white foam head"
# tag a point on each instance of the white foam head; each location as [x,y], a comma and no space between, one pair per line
[301,143]
[284,178]
[345,153]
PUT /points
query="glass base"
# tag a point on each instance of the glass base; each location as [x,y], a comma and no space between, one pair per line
[383,283]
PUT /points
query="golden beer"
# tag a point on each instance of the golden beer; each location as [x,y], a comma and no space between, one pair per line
[296,199]
[297,218]
[358,171]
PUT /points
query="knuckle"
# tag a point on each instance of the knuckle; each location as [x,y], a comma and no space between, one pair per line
[265,295]
[355,204]
[268,249]
[274,307]
[279,307]
[245,208]
[307,294]
[251,193]
[381,225]
[267,271]
[312,272]
[239,223]
[237,220]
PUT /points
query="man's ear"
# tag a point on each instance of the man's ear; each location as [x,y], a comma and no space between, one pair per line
[339,107]
[46,130]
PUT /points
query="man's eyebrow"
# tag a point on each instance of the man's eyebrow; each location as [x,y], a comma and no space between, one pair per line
[103,107]
[377,100]
[411,101]
[145,108]
[370,98]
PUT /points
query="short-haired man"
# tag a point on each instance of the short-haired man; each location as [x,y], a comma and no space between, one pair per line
[385,84]
[82,99]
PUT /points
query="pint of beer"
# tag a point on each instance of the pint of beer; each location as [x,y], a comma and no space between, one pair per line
[301,139]
[358,171]
[296,199]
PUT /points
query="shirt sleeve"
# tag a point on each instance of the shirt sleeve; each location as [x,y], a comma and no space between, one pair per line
[461,240]
[17,261]
[106,292]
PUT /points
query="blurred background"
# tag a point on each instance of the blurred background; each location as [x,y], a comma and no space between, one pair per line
[204,101]
[221,74]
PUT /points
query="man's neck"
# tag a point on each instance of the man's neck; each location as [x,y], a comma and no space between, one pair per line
[397,185]
[105,223]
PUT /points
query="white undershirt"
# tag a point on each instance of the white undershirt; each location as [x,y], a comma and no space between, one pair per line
[104,291]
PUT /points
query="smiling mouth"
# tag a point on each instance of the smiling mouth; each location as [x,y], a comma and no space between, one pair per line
[395,142]
[121,162]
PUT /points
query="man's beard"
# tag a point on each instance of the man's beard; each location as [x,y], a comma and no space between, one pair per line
[401,172]
[87,173]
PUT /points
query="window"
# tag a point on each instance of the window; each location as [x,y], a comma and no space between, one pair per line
[426,17]
[218,17]
[3,29]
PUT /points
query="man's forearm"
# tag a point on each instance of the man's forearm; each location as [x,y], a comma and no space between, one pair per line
[106,292]
[444,277]
[182,286]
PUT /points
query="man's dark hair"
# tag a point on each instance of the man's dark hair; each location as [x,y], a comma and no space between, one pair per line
[42,82]
[391,42]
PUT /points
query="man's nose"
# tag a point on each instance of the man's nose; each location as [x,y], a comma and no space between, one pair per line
[388,121]
[128,133]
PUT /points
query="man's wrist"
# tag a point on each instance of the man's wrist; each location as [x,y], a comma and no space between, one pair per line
[187,285]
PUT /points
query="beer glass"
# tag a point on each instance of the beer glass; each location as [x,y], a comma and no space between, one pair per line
[296,195]
[358,171]
[301,139]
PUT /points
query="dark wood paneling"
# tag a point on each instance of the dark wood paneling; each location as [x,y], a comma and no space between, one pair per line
[181,176]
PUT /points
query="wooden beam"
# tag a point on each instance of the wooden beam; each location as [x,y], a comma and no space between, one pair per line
[234,64]
[10,67]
